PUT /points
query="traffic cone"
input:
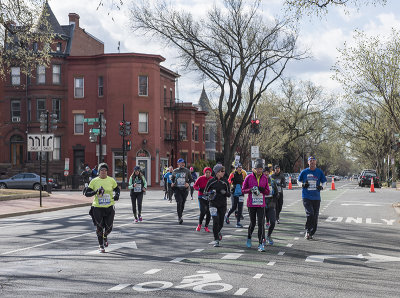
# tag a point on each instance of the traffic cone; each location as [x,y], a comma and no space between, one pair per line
[290,183]
[333,184]
[372,185]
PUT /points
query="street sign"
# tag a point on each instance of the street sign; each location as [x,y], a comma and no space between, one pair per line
[96,131]
[90,120]
[255,153]
[66,166]
[40,142]
[237,160]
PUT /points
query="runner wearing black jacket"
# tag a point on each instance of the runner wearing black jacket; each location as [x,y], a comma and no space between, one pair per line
[218,205]
[281,183]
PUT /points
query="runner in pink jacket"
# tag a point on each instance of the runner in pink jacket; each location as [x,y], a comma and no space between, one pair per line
[256,185]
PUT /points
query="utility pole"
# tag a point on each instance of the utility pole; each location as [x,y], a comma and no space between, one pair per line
[100,145]
[123,148]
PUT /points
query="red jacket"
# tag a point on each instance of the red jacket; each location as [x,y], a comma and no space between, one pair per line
[200,184]
[250,181]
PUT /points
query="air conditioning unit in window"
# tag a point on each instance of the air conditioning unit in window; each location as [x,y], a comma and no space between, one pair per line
[16,119]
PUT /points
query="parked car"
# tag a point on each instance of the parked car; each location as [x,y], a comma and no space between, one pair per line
[363,174]
[366,177]
[294,177]
[24,180]
[286,178]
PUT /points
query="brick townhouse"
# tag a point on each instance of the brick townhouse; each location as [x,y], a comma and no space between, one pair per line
[83,82]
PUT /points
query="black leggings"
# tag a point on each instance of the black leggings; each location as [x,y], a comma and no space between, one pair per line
[270,215]
[180,197]
[218,221]
[279,205]
[137,197]
[256,213]
[236,205]
[103,218]
[204,211]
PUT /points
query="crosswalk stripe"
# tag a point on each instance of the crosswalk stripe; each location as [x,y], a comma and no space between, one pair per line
[240,292]
[177,260]
[119,287]
[271,264]
[152,271]
[258,275]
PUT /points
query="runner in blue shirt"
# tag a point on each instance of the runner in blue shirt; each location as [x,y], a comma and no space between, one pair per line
[312,180]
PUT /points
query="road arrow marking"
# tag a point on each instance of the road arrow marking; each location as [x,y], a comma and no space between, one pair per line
[371,258]
[112,247]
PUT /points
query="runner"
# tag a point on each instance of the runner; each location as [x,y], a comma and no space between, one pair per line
[137,185]
[200,185]
[256,185]
[181,179]
[270,205]
[194,176]
[236,179]
[281,183]
[312,180]
[102,210]
[167,178]
[220,185]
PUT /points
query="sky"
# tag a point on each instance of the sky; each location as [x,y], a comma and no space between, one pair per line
[322,36]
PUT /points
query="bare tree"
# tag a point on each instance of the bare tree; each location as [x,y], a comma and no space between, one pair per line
[233,47]
[23,23]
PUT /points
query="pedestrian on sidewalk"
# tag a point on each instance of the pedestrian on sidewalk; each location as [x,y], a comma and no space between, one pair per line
[106,192]
[200,185]
[181,179]
[137,185]
[312,180]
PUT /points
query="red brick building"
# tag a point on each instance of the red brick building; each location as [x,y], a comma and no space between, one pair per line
[82,82]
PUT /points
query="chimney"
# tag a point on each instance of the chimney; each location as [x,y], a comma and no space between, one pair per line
[74,19]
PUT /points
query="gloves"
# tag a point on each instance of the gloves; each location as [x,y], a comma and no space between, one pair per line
[90,192]
[306,185]
[116,197]
[255,190]
[319,187]
[261,189]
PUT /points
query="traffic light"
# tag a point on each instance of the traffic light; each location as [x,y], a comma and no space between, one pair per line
[127,128]
[103,126]
[121,128]
[43,122]
[127,145]
[255,126]
[92,136]
[53,122]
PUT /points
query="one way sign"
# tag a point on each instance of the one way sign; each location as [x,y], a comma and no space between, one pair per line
[40,142]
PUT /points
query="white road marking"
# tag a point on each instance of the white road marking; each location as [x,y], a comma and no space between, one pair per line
[198,250]
[296,238]
[271,264]
[281,253]
[227,236]
[302,232]
[289,245]
[240,230]
[119,287]
[112,247]
[152,271]
[177,260]
[258,275]
[240,292]
[231,256]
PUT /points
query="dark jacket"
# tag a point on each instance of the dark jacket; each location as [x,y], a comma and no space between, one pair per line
[221,187]
[280,180]
[180,176]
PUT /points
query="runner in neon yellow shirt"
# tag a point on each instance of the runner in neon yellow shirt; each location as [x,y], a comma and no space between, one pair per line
[105,191]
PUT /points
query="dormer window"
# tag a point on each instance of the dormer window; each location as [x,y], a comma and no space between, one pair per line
[59,45]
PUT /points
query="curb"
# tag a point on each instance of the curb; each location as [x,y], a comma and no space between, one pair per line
[22,196]
[44,210]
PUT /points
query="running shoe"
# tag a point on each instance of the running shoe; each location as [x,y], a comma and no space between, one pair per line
[101,249]
[216,243]
[140,218]
[220,236]
[227,220]
[180,220]
[261,248]
[277,221]
[239,225]
[136,220]
[307,236]
[198,228]
[207,230]
[248,243]
[267,225]
[270,241]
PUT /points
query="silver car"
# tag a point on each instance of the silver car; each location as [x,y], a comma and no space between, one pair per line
[24,180]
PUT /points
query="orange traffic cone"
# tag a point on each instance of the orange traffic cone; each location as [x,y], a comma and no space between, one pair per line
[333,184]
[290,183]
[372,185]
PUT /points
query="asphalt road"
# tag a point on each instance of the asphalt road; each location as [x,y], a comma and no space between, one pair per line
[355,254]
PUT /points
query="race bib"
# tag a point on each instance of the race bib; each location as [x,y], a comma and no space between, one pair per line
[180,182]
[257,200]
[137,188]
[241,199]
[213,211]
[104,200]
[313,185]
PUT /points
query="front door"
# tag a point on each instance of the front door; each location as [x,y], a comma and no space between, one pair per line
[16,154]
[79,161]
[145,165]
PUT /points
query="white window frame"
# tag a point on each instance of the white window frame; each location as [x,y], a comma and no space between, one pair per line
[41,75]
[15,113]
[183,132]
[15,76]
[56,74]
[143,119]
[56,107]
[146,93]
[40,111]
[57,149]
[76,87]
[78,122]
[100,86]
